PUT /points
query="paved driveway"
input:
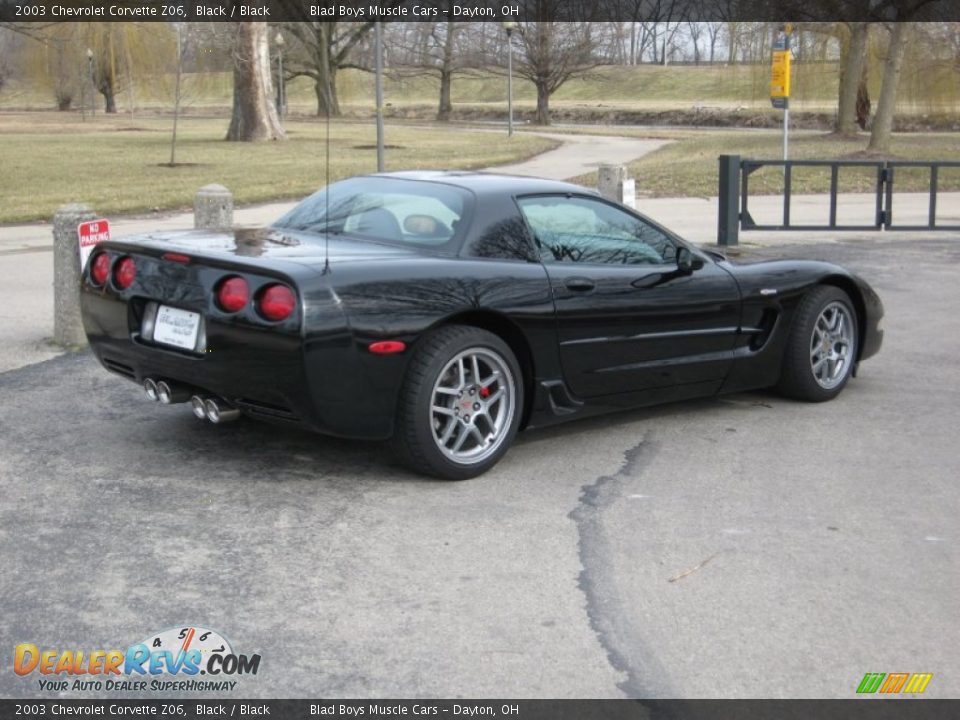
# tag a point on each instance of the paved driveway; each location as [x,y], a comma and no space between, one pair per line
[746,546]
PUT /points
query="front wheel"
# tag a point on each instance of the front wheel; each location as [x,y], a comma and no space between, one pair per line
[822,348]
[460,405]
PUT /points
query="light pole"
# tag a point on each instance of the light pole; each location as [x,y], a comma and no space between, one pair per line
[93,83]
[281,90]
[509,27]
[378,90]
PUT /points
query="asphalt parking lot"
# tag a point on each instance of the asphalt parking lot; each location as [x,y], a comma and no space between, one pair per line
[747,546]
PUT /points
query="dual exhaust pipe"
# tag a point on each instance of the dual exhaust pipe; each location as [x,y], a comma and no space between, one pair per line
[216,410]
[165,392]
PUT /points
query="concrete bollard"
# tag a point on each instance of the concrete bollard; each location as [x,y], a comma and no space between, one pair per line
[613,184]
[609,179]
[67,325]
[213,208]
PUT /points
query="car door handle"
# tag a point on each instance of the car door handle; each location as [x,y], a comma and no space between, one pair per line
[579,284]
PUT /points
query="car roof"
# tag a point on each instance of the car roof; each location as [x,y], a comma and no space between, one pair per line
[483,183]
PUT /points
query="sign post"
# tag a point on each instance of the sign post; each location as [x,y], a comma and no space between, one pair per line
[780,80]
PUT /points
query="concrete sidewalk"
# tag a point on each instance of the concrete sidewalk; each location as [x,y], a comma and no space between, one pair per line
[581,154]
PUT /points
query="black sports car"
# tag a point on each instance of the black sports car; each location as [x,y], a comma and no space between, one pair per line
[448,310]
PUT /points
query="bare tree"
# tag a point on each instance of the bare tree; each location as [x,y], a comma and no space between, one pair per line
[694,31]
[733,41]
[324,49]
[108,56]
[254,114]
[436,49]
[552,53]
[447,68]
[714,29]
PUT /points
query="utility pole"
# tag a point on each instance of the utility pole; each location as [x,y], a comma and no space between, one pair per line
[509,27]
[378,52]
[281,89]
[93,83]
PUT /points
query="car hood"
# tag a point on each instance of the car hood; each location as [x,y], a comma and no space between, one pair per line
[271,243]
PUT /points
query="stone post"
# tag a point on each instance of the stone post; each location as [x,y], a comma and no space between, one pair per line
[213,208]
[613,184]
[67,325]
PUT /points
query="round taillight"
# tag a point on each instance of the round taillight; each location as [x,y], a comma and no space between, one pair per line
[100,268]
[277,302]
[233,294]
[125,273]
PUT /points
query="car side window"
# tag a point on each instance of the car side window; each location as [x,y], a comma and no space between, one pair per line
[584,230]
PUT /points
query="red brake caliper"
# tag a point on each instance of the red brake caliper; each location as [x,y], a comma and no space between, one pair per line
[485,392]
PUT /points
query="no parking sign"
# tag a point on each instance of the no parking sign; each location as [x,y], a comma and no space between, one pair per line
[91,233]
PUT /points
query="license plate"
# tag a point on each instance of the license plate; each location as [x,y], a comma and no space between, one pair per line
[176,327]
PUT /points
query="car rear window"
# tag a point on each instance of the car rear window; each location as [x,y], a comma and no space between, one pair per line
[408,212]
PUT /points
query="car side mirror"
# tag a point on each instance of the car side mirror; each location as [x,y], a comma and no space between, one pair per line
[687,262]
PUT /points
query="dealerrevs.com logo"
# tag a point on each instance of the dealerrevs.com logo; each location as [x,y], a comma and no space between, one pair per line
[170,661]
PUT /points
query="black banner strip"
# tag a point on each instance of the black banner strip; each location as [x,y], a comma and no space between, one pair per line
[479,10]
[875,708]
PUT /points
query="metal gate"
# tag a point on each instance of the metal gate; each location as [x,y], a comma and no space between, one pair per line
[734,198]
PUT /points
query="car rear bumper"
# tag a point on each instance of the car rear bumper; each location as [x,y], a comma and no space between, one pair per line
[267,375]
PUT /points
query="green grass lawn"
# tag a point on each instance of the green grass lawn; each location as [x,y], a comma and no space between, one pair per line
[117,164]
[689,166]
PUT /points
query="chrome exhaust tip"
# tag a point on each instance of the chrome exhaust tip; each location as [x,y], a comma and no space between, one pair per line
[169,393]
[197,405]
[150,388]
[218,411]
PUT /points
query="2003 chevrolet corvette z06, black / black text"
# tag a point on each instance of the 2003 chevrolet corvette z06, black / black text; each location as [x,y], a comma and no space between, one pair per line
[448,310]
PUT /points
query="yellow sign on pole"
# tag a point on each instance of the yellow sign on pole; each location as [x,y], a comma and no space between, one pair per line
[780,74]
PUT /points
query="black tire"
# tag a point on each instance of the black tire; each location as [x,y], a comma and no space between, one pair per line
[800,376]
[416,438]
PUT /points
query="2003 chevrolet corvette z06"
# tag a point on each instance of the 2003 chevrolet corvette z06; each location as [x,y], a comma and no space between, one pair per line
[448,310]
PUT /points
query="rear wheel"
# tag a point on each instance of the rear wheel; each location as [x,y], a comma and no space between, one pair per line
[822,348]
[460,404]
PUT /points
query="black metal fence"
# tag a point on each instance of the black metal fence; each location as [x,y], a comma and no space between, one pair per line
[734,209]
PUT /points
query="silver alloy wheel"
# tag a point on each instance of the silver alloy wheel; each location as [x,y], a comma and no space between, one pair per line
[472,405]
[832,345]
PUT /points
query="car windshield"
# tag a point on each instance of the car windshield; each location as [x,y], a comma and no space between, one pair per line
[408,212]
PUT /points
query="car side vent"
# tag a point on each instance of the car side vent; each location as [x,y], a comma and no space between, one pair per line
[768,321]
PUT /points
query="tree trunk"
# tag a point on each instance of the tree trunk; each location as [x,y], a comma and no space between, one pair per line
[863,102]
[446,106]
[446,74]
[325,88]
[254,114]
[543,104]
[105,88]
[325,81]
[850,75]
[733,30]
[883,121]
[109,99]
